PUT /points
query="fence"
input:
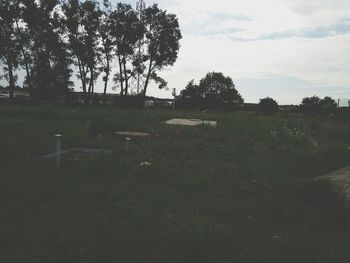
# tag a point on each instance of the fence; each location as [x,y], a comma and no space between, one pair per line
[343,103]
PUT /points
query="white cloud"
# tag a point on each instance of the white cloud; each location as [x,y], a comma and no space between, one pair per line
[209,45]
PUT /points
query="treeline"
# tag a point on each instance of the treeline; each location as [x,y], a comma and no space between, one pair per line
[52,39]
[215,91]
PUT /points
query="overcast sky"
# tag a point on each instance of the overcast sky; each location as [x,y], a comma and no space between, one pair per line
[286,49]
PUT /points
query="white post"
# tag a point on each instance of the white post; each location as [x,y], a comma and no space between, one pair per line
[127,144]
[58,150]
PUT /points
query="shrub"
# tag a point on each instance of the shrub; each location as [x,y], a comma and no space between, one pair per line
[316,106]
[268,106]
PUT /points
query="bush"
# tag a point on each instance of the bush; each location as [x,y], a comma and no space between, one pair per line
[316,106]
[214,91]
[268,106]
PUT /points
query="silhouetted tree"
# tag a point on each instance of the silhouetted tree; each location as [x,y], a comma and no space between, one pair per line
[215,91]
[9,49]
[126,30]
[25,43]
[162,42]
[81,26]
[50,72]
[315,106]
[328,105]
[268,106]
[310,105]
[107,44]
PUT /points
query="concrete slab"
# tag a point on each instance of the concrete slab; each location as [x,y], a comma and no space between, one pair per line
[133,134]
[78,152]
[341,181]
[191,122]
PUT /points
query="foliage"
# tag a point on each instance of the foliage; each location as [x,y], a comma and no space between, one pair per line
[50,72]
[9,49]
[316,106]
[47,37]
[268,106]
[126,31]
[162,41]
[215,91]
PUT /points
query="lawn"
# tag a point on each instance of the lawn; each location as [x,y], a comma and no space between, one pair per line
[241,192]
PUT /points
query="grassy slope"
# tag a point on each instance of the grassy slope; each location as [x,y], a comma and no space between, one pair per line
[237,193]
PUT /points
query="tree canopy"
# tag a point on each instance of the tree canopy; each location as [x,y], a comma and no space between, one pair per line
[214,91]
[51,39]
[316,106]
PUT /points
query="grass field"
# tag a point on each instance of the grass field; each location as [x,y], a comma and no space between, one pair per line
[241,192]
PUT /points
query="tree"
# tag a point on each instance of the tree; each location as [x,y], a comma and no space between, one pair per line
[9,49]
[162,42]
[25,43]
[107,44]
[268,106]
[328,105]
[50,74]
[81,26]
[310,105]
[126,30]
[315,106]
[215,91]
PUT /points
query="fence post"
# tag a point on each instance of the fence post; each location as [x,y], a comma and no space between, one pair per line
[58,150]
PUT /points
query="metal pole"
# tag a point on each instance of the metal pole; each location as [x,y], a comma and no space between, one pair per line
[58,150]
[127,144]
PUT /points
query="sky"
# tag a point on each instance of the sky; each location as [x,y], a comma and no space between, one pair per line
[284,49]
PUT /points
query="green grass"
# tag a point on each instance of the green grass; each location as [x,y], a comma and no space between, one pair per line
[242,192]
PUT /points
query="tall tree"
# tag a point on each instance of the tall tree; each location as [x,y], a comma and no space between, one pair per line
[25,44]
[90,14]
[9,49]
[126,30]
[81,25]
[162,43]
[214,91]
[51,73]
[107,45]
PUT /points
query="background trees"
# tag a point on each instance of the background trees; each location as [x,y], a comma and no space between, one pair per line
[9,47]
[50,39]
[268,106]
[214,91]
[162,43]
[315,106]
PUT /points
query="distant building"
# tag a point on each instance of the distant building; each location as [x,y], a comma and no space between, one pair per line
[17,93]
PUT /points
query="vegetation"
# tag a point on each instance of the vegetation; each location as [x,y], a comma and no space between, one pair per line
[241,192]
[48,37]
[214,91]
[268,106]
[316,106]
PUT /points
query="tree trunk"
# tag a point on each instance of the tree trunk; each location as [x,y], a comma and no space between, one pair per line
[147,79]
[121,77]
[25,58]
[11,79]
[126,77]
[90,84]
[83,79]
[106,81]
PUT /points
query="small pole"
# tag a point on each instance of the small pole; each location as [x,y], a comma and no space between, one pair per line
[174,101]
[58,150]
[127,144]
